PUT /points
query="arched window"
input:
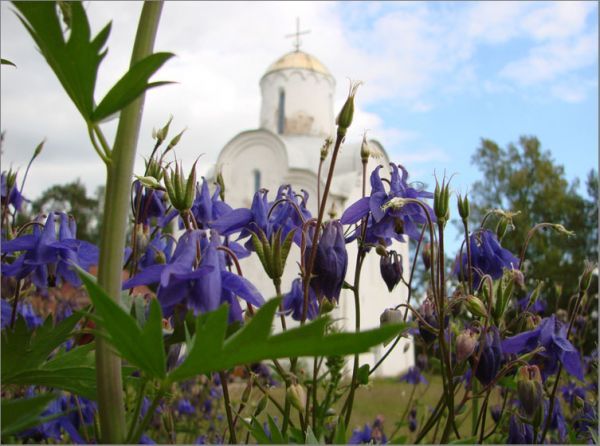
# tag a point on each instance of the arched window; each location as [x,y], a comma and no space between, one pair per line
[281,113]
[256,180]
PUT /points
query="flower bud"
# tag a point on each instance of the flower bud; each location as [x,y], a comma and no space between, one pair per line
[327,306]
[162,133]
[344,118]
[532,321]
[426,256]
[517,277]
[262,404]
[380,250]
[297,396]
[441,202]
[390,316]
[586,277]
[175,141]
[475,306]
[221,184]
[529,389]
[502,228]
[181,191]
[496,412]
[150,182]
[463,207]
[465,344]
[247,392]
[390,267]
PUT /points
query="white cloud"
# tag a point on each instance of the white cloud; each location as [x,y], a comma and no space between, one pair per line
[410,54]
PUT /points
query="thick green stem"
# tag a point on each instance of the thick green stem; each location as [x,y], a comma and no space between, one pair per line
[108,364]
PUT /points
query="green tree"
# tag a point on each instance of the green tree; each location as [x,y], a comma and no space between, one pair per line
[72,198]
[525,178]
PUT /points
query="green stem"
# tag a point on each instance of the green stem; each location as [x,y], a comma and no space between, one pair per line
[148,417]
[223,379]
[108,364]
[138,408]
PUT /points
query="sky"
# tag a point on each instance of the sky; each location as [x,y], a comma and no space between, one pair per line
[438,77]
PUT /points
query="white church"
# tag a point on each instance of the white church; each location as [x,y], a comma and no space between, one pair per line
[296,117]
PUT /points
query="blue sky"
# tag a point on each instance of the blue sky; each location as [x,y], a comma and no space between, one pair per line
[438,76]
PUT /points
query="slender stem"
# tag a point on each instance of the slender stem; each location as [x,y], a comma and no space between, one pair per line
[560,367]
[138,408]
[108,364]
[313,250]
[437,412]
[103,156]
[223,379]
[148,417]
[13,316]
[469,260]
[528,239]
[319,183]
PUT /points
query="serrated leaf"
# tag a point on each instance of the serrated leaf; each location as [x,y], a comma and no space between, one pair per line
[24,349]
[75,62]
[20,414]
[142,348]
[253,343]
[79,380]
[131,86]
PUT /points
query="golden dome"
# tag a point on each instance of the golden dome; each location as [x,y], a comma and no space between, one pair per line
[298,59]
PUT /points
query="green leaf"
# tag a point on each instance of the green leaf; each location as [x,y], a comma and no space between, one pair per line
[257,431]
[75,62]
[130,86]
[142,348]
[24,349]
[7,62]
[253,343]
[340,432]
[79,380]
[276,435]
[509,382]
[310,437]
[20,414]
[363,374]
[400,439]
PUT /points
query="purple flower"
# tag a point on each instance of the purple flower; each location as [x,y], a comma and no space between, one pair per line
[369,434]
[201,287]
[558,419]
[487,257]
[429,314]
[294,302]
[159,250]
[259,217]
[519,433]
[570,391]
[586,422]
[491,357]
[149,203]
[390,267]
[331,261]
[48,259]
[10,193]
[552,335]
[388,224]
[413,376]
[184,407]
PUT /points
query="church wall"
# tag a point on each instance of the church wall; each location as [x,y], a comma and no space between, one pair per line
[308,102]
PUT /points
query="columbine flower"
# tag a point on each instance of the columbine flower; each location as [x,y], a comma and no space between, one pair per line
[552,335]
[184,407]
[149,203]
[571,391]
[369,434]
[519,433]
[294,302]
[200,287]
[487,257]
[257,218]
[331,261]
[413,376]
[491,357]
[429,314]
[47,259]
[9,191]
[159,251]
[390,267]
[390,216]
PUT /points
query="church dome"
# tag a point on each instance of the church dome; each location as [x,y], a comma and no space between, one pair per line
[298,59]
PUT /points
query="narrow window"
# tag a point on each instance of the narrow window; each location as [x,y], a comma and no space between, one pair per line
[256,180]
[281,113]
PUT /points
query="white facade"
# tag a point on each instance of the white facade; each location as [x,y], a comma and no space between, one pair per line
[296,116]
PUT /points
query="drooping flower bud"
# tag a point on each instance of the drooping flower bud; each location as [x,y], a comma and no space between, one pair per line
[426,256]
[391,269]
[466,343]
[475,306]
[325,148]
[428,313]
[390,316]
[344,118]
[297,396]
[529,389]
[491,357]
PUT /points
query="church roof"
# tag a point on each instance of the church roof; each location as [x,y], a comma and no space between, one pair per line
[298,59]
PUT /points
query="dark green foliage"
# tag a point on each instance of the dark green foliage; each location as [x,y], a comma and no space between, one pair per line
[525,178]
[72,198]
[20,414]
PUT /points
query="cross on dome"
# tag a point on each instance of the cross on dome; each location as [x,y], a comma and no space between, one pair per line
[297,34]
